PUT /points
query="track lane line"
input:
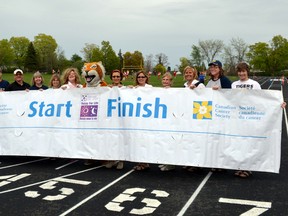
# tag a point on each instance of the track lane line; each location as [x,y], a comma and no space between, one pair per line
[41,182]
[194,195]
[67,164]
[96,193]
[14,165]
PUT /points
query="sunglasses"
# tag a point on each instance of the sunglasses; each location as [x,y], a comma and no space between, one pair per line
[115,76]
[141,77]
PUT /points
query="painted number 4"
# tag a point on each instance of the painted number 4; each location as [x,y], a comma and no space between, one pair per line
[151,204]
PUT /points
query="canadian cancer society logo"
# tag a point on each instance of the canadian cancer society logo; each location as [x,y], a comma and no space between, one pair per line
[202,110]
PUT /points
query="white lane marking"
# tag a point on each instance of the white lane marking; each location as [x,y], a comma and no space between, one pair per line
[160,193]
[72,181]
[194,195]
[14,165]
[41,182]
[65,192]
[133,190]
[74,161]
[32,194]
[260,204]
[271,84]
[96,193]
[17,177]
[7,176]
[12,179]
[254,212]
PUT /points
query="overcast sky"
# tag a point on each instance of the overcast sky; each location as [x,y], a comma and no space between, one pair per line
[149,26]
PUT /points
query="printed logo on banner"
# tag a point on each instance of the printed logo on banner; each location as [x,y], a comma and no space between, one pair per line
[202,110]
[89,107]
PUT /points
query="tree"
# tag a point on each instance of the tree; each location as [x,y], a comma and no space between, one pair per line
[209,49]
[6,53]
[61,61]
[77,61]
[20,47]
[110,59]
[31,58]
[148,62]
[197,58]
[271,58]
[259,56]
[105,54]
[234,53]
[184,63]
[160,68]
[279,54]
[133,61]
[45,46]
[91,53]
[161,59]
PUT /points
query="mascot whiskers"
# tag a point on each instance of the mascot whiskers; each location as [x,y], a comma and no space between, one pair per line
[94,73]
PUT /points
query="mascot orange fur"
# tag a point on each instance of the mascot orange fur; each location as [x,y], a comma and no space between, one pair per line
[94,73]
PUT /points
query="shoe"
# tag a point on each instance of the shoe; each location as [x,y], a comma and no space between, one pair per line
[167,168]
[120,165]
[193,169]
[142,166]
[160,166]
[88,162]
[110,164]
[243,173]
[215,170]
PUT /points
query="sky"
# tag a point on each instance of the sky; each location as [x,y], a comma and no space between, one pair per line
[149,26]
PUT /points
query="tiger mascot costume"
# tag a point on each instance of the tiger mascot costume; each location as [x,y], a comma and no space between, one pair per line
[93,73]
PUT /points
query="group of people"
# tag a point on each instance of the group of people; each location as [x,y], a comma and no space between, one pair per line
[71,79]
[217,81]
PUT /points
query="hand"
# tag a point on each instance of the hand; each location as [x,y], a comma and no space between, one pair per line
[283,105]
[215,87]
[192,86]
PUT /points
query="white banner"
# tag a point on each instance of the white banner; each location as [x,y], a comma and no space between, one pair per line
[232,129]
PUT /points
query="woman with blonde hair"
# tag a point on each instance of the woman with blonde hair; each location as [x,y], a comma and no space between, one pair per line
[192,82]
[71,79]
[191,78]
[37,82]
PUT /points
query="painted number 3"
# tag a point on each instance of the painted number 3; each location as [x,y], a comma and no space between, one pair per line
[150,207]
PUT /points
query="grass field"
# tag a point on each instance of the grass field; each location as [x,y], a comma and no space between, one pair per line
[178,81]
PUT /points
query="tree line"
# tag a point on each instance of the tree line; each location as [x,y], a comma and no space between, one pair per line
[44,54]
[269,58]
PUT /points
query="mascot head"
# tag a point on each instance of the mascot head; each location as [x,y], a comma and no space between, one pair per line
[94,74]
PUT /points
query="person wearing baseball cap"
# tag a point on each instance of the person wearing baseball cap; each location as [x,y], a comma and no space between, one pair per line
[18,84]
[218,80]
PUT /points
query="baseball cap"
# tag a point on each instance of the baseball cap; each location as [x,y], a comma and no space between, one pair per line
[18,70]
[216,63]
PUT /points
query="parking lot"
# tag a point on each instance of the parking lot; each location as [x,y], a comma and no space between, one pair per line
[48,186]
